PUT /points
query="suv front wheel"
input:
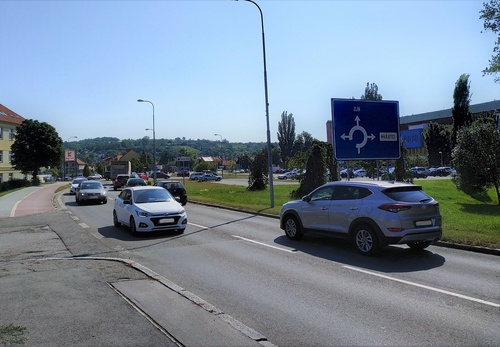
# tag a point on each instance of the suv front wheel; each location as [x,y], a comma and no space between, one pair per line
[365,239]
[293,229]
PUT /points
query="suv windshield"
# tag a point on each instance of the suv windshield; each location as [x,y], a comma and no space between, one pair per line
[407,194]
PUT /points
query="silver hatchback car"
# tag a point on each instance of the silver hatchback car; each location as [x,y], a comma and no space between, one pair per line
[370,214]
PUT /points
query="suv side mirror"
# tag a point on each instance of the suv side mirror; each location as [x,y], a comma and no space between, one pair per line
[306,198]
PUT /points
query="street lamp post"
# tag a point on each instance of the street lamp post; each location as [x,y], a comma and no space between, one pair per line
[269,149]
[154,139]
[71,137]
[222,154]
[441,155]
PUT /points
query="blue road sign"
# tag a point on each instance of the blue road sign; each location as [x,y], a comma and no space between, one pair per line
[365,130]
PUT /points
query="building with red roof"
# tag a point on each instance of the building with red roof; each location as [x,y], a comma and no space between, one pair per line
[9,121]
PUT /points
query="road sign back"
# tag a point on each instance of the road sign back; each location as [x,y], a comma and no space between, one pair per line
[365,129]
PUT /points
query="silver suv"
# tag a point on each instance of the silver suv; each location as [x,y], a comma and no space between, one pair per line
[370,214]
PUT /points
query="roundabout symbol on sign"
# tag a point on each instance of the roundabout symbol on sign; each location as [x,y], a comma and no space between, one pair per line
[365,135]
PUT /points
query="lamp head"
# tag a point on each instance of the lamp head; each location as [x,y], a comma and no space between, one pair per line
[140,100]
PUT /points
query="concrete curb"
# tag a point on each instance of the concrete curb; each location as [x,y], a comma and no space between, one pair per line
[234,323]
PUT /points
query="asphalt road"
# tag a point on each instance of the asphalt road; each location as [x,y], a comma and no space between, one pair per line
[317,291]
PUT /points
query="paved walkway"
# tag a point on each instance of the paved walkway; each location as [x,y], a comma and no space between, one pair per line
[30,200]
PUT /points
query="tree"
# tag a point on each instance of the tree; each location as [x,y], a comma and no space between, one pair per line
[460,110]
[491,15]
[36,145]
[320,168]
[86,170]
[203,165]
[437,138]
[244,161]
[136,165]
[100,168]
[402,167]
[286,135]
[303,142]
[476,157]
[371,92]
[258,178]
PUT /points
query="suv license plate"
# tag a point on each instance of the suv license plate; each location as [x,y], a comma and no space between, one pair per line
[423,223]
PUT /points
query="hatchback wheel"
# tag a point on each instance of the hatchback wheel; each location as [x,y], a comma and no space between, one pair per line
[293,230]
[418,246]
[132,227]
[115,220]
[365,239]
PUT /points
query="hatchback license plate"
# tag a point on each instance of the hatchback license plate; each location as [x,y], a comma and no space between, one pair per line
[423,223]
[166,220]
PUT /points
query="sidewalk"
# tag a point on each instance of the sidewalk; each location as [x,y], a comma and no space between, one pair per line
[65,298]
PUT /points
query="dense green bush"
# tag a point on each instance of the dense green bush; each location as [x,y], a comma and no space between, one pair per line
[14,184]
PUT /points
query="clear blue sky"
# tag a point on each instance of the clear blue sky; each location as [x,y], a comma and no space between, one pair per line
[81,65]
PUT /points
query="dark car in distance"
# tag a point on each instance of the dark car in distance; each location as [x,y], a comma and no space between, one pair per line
[120,181]
[134,182]
[176,189]
[160,174]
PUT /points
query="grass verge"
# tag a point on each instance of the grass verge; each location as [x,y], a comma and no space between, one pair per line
[470,220]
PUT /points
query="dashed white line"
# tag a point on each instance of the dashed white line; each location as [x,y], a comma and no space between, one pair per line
[489,303]
[250,240]
[198,226]
[264,244]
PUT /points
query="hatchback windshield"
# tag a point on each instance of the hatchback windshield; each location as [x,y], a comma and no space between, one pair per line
[150,195]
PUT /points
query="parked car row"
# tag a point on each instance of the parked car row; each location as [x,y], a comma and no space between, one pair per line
[422,172]
[204,176]
[287,175]
[353,173]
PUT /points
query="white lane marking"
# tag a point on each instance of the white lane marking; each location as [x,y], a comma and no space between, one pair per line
[264,244]
[249,240]
[199,226]
[83,225]
[424,286]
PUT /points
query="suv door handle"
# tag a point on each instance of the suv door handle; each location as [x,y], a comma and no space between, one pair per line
[354,208]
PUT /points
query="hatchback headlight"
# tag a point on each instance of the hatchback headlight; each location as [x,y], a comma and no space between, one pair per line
[142,213]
